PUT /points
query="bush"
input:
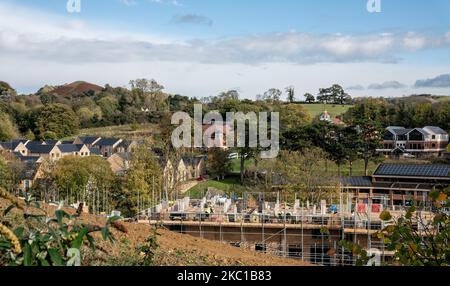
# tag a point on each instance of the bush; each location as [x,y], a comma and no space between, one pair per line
[44,240]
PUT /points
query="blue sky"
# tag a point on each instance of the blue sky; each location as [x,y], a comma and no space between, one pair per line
[200,47]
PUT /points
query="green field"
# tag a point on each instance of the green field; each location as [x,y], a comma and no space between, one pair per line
[444,98]
[227,185]
[135,131]
[333,110]
[233,185]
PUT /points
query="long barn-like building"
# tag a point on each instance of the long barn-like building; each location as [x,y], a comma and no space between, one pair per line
[393,186]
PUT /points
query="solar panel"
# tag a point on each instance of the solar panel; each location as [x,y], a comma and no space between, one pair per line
[414,170]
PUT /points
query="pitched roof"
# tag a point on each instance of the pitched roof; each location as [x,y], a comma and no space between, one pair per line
[16,143]
[70,148]
[107,142]
[356,181]
[399,131]
[11,145]
[193,160]
[34,147]
[434,130]
[32,144]
[51,142]
[421,130]
[417,170]
[88,139]
[6,145]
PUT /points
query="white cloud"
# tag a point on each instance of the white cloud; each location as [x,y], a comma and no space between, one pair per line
[170,2]
[37,48]
[387,85]
[128,2]
[34,35]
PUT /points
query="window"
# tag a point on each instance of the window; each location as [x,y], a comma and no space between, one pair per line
[416,136]
[388,136]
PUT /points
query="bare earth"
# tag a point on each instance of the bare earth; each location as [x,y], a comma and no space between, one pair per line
[180,249]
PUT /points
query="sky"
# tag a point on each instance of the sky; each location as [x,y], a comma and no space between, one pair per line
[200,48]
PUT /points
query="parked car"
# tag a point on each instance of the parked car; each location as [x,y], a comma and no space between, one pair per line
[233,156]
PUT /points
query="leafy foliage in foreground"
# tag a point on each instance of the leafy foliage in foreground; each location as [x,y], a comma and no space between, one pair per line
[415,241]
[43,240]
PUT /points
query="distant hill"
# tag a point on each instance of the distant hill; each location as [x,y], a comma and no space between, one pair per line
[420,98]
[72,89]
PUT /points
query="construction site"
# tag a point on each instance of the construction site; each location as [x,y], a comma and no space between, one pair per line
[294,230]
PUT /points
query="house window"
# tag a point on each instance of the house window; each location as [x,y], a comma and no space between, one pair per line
[434,137]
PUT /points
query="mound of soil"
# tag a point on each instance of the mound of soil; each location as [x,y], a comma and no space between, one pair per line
[175,249]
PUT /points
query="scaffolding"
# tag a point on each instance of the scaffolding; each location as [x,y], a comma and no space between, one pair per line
[299,231]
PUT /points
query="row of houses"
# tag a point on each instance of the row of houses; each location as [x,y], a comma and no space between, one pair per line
[176,170]
[117,152]
[56,149]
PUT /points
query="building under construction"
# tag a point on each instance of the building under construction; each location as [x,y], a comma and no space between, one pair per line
[304,230]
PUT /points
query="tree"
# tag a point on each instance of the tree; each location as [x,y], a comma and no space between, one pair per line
[57,118]
[309,98]
[219,162]
[84,179]
[272,95]
[351,145]
[301,173]
[325,95]
[338,95]
[366,119]
[290,90]
[146,85]
[6,91]
[334,94]
[109,105]
[141,183]
[4,173]
[293,115]
[7,129]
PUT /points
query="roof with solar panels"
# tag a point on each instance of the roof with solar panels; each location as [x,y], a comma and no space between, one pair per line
[409,170]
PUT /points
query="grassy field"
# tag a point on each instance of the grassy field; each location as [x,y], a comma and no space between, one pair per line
[200,189]
[334,110]
[232,184]
[358,167]
[130,131]
[444,98]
